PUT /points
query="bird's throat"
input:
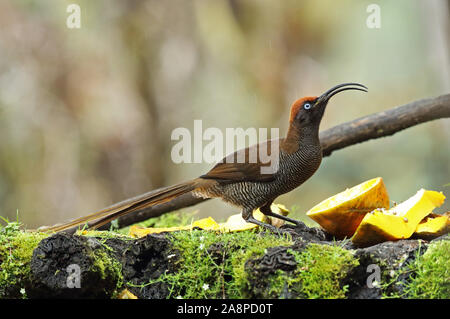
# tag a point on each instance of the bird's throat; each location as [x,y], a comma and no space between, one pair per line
[298,137]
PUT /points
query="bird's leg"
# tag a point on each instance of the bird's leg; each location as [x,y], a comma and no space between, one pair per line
[247,214]
[268,212]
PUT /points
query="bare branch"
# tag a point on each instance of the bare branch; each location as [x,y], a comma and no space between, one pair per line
[384,123]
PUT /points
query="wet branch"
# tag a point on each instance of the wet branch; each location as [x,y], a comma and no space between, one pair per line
[384,123]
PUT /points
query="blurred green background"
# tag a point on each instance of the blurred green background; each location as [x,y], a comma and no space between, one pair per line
[86,114]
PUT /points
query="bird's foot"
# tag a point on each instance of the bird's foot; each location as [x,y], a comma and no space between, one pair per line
[272,228]
[285,218]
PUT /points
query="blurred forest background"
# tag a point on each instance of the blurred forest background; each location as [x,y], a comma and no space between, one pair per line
[86,114]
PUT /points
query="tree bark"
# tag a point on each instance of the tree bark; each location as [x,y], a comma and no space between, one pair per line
[369,127]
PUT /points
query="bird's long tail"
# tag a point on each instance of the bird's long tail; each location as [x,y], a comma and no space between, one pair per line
[123,208]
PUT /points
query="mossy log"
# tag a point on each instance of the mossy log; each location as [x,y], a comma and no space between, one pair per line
[105,266]
[204,264]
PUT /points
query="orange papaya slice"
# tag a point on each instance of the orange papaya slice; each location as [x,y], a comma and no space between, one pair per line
[341,214]
[399,222]
[433,226]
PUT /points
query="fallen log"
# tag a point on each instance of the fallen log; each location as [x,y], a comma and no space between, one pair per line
[208,264]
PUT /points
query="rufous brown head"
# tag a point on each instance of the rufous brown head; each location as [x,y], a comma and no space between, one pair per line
[309,110]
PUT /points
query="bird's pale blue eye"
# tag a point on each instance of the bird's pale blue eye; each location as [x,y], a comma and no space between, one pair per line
[307,106]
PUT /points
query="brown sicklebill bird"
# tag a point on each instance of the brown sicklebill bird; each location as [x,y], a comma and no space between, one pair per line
[243,179]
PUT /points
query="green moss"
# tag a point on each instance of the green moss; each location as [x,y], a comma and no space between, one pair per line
[429,274]
[319,273]
[212,264]
[102,234]
[432,269]
[108,267]
[16,250]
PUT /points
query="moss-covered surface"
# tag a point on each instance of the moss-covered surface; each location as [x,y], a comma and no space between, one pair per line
[319,273]
[72,266]
[103,235]
[212,265]
[427,276]
[206,264]
[108,267]
[16,250]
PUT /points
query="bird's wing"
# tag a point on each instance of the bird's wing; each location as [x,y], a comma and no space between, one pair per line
[252,164]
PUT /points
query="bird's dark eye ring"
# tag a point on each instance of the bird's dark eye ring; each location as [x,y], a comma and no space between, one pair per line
[307,106]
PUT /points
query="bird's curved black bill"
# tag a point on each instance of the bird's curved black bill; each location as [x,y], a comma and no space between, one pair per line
[339,88]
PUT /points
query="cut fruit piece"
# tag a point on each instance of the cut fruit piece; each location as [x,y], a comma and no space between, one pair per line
[279,209]
[233,224]
[237,223]
[399,222]
[341,214]
[139,231]
[126,294]
[205,223]
[433,226]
